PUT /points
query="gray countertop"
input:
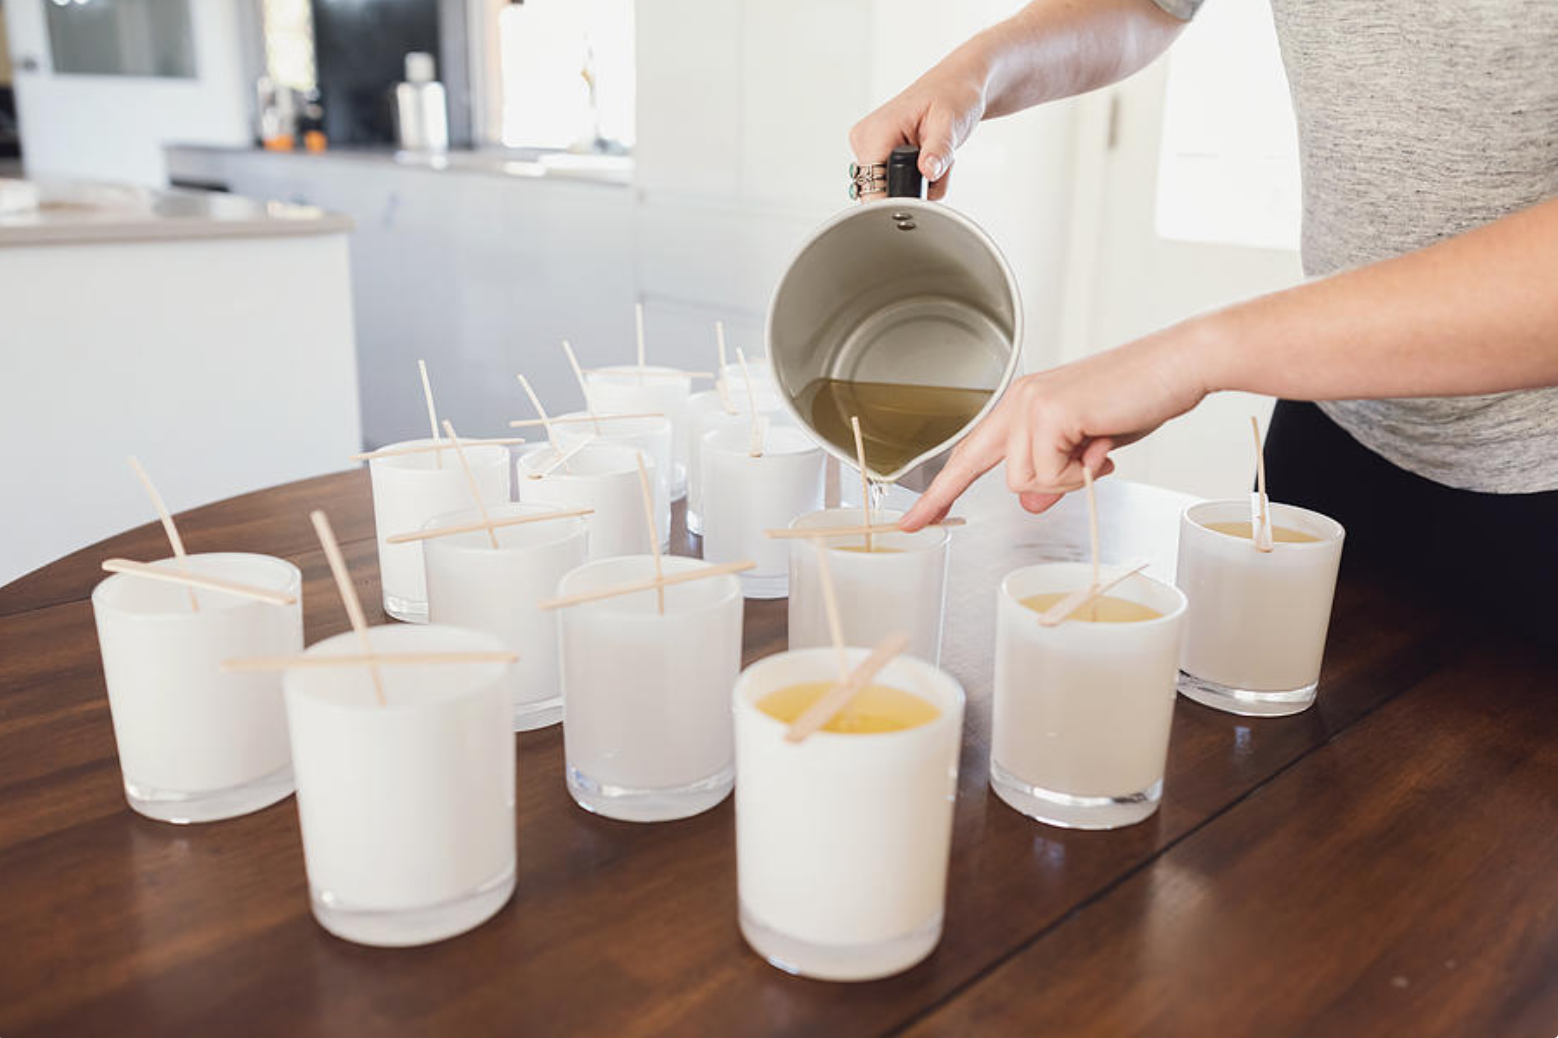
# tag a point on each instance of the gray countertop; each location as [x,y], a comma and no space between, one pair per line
[71,213]
[523,163]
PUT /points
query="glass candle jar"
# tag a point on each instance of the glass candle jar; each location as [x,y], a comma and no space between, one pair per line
[1255,631]
[602,477]
[745,495]
[651,436]
[706,412]
[1082,711]
[406,808]
[628,389]
[197,743]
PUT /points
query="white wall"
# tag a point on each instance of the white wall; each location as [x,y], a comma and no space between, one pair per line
[113,127]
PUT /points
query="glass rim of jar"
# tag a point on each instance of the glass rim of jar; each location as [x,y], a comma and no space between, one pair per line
[931,542]
[1084,573]
[350,645]
[744,699]
[104,590]
[1334,531]
[570,528]
[681,563]
[478,455]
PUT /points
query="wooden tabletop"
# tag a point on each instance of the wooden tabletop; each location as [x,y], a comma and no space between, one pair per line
[1386,862]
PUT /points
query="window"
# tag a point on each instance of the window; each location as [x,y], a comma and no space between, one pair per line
[121,38]
[564,76]
[289,43]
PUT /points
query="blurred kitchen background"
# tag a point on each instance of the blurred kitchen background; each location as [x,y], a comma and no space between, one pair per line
[234,225]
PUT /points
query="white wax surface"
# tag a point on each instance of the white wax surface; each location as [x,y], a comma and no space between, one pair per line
[408,805]
[182,724]
[646,697]
[1257,620]
[410,489]
[745,495]
[1084,708]
[844,839]
[473,585]
[879,594]
[652,436]
[603,477]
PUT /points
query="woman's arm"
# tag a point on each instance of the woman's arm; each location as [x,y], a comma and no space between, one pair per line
[1476,313]
[1048,50]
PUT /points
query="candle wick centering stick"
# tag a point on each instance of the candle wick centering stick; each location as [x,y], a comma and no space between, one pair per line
[638,327]
[837,698]
[343,585]
[168,527]
[561,459]
[515,520]
[830,603]
[654,533]
[1260,515]
[1092,534]
[865,481]
[633,587]
[432,412]
[535,402]
[721,386]
[194,580]
[1058,613]
[470,478]
[378,659]
[523,423]
[584,386]
[395,452]
[756,447]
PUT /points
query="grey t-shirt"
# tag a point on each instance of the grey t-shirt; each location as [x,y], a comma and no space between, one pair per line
[1417,122]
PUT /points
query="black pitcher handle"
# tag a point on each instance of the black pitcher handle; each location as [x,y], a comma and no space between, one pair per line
[903,173]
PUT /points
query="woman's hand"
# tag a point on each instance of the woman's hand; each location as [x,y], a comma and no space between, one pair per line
[1051,425]
[936,112]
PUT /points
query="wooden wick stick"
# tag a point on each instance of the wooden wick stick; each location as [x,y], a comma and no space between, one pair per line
[432,412]
[563,457]
[1092,529]
[523,423]
[379,659]
[469,441]
[343,585]
[755,448]
[638,326]
[1060,611]
[721,386]
[513,520]
[830,603]
[470,478]
[1261,535]
[654,532]
[167,527]
[819,532]
[535,402]
[687,576]
[584,385]
[865,481]
[193,580]
[837,698]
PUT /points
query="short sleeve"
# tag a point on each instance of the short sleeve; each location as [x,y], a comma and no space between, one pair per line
[1184,10]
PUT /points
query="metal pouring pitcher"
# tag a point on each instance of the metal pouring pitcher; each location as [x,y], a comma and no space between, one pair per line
[900,291]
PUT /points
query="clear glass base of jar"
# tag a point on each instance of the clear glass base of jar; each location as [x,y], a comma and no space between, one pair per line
[649,805]
[183,808]
[1246,702]
[400,928]
[1069,811]
[840,961]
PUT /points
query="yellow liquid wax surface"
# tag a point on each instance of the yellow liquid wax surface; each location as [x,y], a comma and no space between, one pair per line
[873,710]
[1244,528]
[898,423]
[1106,609]
[873,550]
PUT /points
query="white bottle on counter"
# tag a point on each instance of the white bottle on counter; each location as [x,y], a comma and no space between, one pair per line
[420,109]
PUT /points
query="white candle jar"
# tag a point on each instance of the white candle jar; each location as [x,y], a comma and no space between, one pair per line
[473,585]
[197,744]
[407,808]
[1255,632]
[899,586]
[646,695]
[408,490]
[651,436]
[745,495]
[625,390]
[705,413]
[602,477]
[1082,711]
[842,840]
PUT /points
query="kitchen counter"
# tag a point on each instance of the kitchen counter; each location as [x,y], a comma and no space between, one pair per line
[188,162]
[81,213]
